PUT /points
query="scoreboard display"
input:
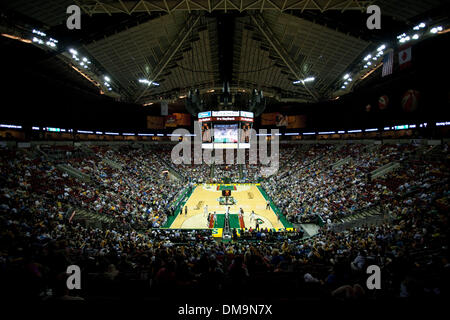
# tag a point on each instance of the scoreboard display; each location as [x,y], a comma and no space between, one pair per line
[226,129]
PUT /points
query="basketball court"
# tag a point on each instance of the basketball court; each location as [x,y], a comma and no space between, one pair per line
[246,196]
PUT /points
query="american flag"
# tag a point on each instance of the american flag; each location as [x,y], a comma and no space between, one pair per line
[388,62]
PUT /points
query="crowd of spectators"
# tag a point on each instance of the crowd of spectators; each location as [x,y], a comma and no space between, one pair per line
[38,238]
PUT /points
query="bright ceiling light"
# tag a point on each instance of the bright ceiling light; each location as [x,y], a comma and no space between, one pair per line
[73,51]
[107,78]
[346,76]
[422,25]
[309,79]
[381,48]
[367,57]
[415,37]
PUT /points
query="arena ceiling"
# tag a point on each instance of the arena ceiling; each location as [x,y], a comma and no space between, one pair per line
[185,44]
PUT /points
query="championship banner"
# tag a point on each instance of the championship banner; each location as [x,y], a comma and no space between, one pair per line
[183,119]
[274,118]
[164,108]
[296,122]
[171,121]
[155,122]
[269,119]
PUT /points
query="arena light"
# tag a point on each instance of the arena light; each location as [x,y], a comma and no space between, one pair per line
[341,132]
[309,79]
[73,51]
[367,57]
[98,132]
[381,48]
[346,76]
[296,82]
[412,126]
[39,32]
[145,134]
[10,126]
[128,134]
[309,133]
[85,132]
[371,130]
[440,124]
[37,40]
[148,82]
[354,131]
[387,128]
[35,128]
[436,29]
[50,44]
[291,134]
[112,133]
[107,78]
[328,132]
[416,36]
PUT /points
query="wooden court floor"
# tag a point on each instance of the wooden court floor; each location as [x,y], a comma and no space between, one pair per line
[248,198]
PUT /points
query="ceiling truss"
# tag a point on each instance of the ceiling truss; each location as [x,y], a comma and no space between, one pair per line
[91,7]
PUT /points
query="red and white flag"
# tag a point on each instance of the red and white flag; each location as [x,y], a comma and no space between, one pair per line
[404,57]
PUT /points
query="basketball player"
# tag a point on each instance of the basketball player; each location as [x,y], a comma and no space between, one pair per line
[268,205]
[185,210]
[252,216]
[215,217]
[241,212]
[228,212]
[205,212]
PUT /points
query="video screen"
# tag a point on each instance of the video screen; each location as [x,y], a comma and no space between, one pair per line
[245,132]
[206,132]
[226,133]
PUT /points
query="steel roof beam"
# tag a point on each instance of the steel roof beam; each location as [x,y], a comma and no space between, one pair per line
[169,6]
[281,51]
[173,49]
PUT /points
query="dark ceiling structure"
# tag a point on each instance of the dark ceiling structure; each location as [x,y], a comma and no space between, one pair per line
[183,45]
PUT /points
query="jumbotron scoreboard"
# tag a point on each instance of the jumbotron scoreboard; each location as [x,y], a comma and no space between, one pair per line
[226,129]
